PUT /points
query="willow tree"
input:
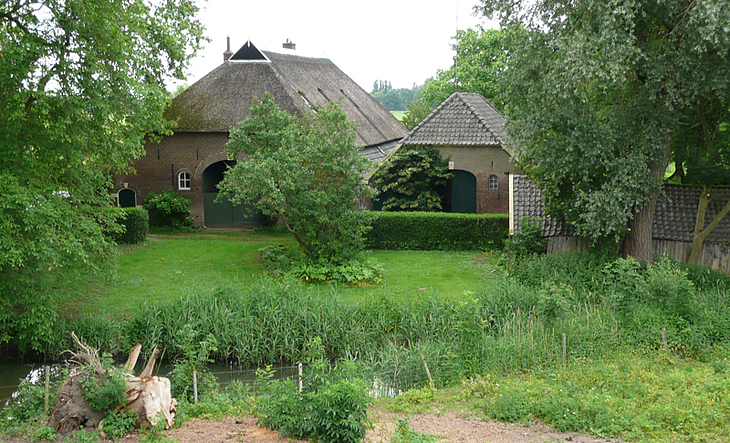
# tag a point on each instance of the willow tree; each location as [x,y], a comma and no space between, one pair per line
[81,83]
[594,92]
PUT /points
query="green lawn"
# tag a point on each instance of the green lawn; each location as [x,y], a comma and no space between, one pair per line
[166,266]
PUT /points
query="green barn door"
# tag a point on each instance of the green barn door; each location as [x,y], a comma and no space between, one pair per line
[463,192]
[222,214]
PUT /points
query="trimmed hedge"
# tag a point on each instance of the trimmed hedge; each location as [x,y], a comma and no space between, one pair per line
[136,222]
[436,230]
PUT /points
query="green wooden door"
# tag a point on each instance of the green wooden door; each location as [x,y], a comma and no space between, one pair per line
[463,192]
[223,214]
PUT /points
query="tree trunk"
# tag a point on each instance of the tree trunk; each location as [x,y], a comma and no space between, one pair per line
[638,241]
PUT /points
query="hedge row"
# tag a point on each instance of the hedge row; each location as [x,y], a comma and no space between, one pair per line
[436,230]
[136,224]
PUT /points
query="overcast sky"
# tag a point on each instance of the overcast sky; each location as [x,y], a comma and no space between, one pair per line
[402,41]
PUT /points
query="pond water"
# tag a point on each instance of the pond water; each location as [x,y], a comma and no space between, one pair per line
[12,373]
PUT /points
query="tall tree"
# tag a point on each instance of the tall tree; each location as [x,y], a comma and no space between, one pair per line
[81,84]
[482,57]
[594,91]
[306,171]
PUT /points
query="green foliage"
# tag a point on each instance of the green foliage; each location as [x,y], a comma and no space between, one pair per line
[412,179]
[285,262]
[194,355]
[394,99]
[627,395]
[103,391]
[83,436]
[28,404]
[331,408]
[528,240]
[432,230]
[597,92]
[404,433]
[117,424]
[136,223]
[483,56]
[77,99]
[414,400]
[307,172]
[44,433]
[169,209]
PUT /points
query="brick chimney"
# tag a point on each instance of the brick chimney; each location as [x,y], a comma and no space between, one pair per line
[290,45]
[228,54]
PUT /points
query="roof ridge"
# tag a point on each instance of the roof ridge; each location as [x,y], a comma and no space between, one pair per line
[480,117]
[428,117]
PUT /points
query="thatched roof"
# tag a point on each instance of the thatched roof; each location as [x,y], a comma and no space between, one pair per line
[463,119]
[219,100]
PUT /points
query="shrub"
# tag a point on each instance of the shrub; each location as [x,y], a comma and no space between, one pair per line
[103,391]
[169,209]
[117,424]
[436,230]
[331,408]
[136,222]
[527,241]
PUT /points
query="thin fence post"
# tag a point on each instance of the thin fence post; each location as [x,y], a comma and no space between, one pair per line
[45,397]
[428,373]
[664,339]
[565,349]
[301,384]
[195,386]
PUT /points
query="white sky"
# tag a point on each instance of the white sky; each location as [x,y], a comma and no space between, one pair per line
[402,41]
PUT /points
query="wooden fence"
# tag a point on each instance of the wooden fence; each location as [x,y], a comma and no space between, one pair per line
[714,255]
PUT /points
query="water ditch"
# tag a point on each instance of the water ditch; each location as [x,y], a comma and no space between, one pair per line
[13,373]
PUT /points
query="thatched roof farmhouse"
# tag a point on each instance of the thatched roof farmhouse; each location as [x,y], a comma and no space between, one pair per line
[193,159]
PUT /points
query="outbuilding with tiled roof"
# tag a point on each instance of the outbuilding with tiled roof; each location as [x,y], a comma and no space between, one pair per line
[468,130]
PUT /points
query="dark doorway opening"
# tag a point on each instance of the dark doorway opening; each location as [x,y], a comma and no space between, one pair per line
[127,198]
[223,214]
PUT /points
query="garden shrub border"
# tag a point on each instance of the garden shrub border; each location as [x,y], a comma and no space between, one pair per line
[436,231]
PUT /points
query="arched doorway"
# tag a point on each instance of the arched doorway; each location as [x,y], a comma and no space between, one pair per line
[127,198]
[462,192]
[222,214]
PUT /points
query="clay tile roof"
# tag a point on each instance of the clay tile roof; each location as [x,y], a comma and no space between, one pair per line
[464,119]
[674,216]
[527,201]
[298,84]
[676,212]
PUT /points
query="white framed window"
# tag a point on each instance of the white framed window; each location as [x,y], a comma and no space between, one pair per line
[493,183]
[183,181]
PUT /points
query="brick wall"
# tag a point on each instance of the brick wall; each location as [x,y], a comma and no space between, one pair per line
[484,162]
[157,171]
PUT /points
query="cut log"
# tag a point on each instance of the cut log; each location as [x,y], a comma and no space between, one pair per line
[149,397]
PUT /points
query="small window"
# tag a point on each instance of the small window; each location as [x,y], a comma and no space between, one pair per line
[493,183]
[183,181]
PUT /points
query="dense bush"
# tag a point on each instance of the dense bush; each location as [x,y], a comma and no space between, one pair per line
[331,408]
[169,209]
[136,222]
[436,230]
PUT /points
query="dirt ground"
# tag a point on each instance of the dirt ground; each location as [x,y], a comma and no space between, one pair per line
[450,427]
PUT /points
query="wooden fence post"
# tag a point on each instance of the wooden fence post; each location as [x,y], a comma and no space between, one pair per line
[428,373]
[301,383]
[664,339]
[195,386]
[45,398]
